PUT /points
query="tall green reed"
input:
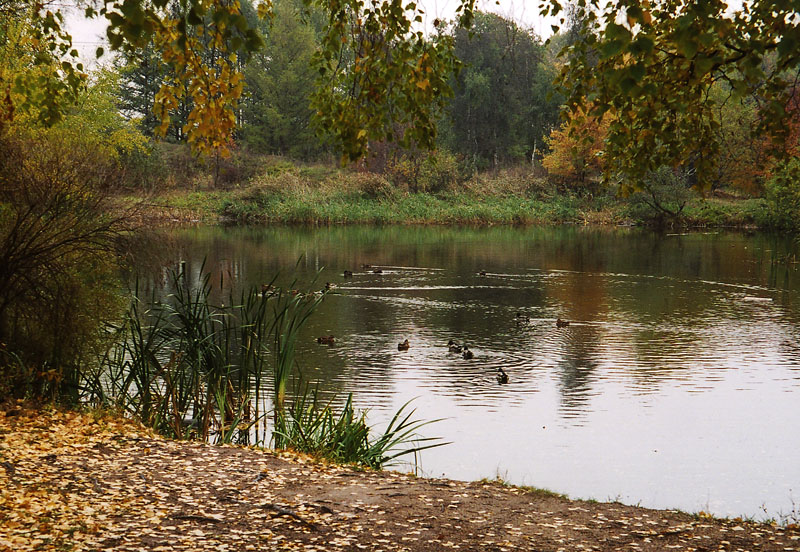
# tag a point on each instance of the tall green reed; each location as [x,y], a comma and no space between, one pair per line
[342,435]
[187,367]
[193,370]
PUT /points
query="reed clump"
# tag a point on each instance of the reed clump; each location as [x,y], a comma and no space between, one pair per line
[195,370]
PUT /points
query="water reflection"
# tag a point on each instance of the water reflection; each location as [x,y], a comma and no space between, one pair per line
[681,344]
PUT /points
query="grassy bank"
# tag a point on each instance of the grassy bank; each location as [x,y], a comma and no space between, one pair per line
[283,193]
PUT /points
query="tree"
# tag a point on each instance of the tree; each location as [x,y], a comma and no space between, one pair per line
[576,148]
[375,68]
[39,72]
[503,103]
[743,157]
[57,279]
[142,74]
[58,270]
[651,66]
[378,74]
[276,110]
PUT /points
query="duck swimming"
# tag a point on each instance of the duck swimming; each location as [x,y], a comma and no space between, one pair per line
[326,340]
[454,347]
[502,377]
[348,274]
[522,317]
[403,346]
[468,355]
[562,323]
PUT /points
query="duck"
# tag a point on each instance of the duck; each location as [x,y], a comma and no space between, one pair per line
[267,288]
[562,323]
[348,274]
[403,346]
[326,340]
[502,377]
[522,317]
[377,271]
[467,354]
[454,347]
[482,273]
[329,286]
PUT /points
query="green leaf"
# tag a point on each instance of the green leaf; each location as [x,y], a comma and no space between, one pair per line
[627,84]
[617,32]
[787,45]
[703,65]
[686,44]
[637,72]
[612,48]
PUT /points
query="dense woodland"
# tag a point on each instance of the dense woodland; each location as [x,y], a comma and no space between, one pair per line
[262,100]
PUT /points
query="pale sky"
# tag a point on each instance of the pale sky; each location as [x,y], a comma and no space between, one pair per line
[88,34]
[525,13]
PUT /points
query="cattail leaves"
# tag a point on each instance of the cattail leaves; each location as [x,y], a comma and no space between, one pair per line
[193,370]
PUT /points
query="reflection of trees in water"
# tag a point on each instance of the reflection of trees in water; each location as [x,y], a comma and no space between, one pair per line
[581,349]
[583,299]
[627,287]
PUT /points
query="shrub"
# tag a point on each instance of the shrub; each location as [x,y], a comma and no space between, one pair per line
[783,196]
[372,186]
[663,196]
[57,242]
[434,172]
[439,172]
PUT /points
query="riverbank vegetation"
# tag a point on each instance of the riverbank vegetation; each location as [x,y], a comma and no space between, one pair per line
[286,192]
[245,134]
[502,155]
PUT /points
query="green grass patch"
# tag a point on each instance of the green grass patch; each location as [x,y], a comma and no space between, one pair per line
[537,491]
[283,193]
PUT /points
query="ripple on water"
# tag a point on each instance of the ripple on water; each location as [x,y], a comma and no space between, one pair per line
[675,344]
[611,347]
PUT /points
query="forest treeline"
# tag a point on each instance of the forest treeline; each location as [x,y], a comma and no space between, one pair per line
[73,142]
[504,113]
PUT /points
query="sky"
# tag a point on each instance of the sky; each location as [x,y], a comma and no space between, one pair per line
[88,34]
[525,13]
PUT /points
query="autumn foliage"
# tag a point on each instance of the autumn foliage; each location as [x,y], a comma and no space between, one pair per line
[576,148]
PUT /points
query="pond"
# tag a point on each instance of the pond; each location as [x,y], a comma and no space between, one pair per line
[676,383]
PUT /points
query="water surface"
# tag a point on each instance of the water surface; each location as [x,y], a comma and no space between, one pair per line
[676,384]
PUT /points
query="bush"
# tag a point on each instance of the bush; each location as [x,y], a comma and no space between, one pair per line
[440,172]
[663,196]
[783,197]
[372,186]
[57,281]
[434,172]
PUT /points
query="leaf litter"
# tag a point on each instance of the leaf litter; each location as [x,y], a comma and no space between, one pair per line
[88,481]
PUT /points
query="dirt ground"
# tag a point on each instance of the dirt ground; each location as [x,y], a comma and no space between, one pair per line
[73,481]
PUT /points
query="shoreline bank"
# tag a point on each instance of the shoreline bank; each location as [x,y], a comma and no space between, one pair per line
[342,205]
[82,481]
